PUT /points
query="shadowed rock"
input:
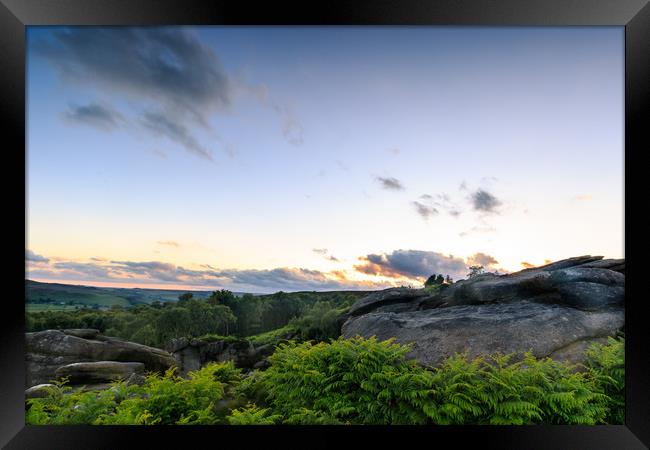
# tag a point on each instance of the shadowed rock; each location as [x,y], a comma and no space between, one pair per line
[48,350]
[99,371]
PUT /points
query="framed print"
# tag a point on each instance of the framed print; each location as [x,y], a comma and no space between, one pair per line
[325,222]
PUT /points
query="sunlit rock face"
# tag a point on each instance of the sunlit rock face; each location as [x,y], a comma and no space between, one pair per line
[555,310]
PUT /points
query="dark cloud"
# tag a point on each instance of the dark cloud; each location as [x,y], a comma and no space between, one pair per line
[167,65]
[411,264]
[390,183]
[33,257]
[482,259]
[424,210]
[167,69]
[484,201]
[96,115]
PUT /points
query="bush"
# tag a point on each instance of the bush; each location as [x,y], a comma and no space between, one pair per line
[162,399]
[606,364]
[359,381]
[356,381]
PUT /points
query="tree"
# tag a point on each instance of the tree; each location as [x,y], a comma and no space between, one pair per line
[431,281]
[449,280]
[435,280]
[183,298]
[223,297]
[475,271]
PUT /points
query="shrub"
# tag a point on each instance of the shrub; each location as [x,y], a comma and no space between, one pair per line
[251,414]
[606,365]
[357,381]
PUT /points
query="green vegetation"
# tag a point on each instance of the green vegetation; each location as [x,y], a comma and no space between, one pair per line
[312,315]
[358,381]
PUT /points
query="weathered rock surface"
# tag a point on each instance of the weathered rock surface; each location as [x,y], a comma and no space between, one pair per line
[556,310]
[39,391]
[192,354]
[384,298]
[566,282]
[48,350]
[99,371]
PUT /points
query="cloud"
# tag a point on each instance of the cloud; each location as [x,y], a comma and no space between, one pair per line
[424,210]
[323,252]
[99,116]
[435,203]
[33,257]
[292,129]
[411,264]
[484,201]
[169,243]
[527,265]
[157,272]
[484,228]
[482,259]
[167,70]
[166,65]
[390,183]
[583,197]
[394,150]
[161,124]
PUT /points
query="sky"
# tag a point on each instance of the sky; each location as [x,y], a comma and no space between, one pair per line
[260,159]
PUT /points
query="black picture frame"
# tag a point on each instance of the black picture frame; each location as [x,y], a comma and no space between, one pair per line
[15,15]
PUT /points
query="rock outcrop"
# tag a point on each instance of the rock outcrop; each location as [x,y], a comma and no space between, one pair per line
[48,350]
[556,310]
[192,354]
[99,371]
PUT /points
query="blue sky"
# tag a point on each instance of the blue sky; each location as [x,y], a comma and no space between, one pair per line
[257,158]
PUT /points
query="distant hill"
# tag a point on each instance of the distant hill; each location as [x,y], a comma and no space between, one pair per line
[57,296]
[43,296]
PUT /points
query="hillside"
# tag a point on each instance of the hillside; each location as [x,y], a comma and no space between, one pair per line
[47,296]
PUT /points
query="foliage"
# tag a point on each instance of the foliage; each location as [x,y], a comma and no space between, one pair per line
[162,399]
[252,415]
[273,336]
[319,322]
[606,364]
[434,280]
[359,381]
[222,314]
[475,270]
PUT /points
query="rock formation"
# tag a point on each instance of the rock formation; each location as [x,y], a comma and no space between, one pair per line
[49,350]
[556,310]
[192,354]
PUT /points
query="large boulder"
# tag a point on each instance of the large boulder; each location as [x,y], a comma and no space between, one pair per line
[48,350]
[482,329]
[566,282]
[556,310]
[99,371]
